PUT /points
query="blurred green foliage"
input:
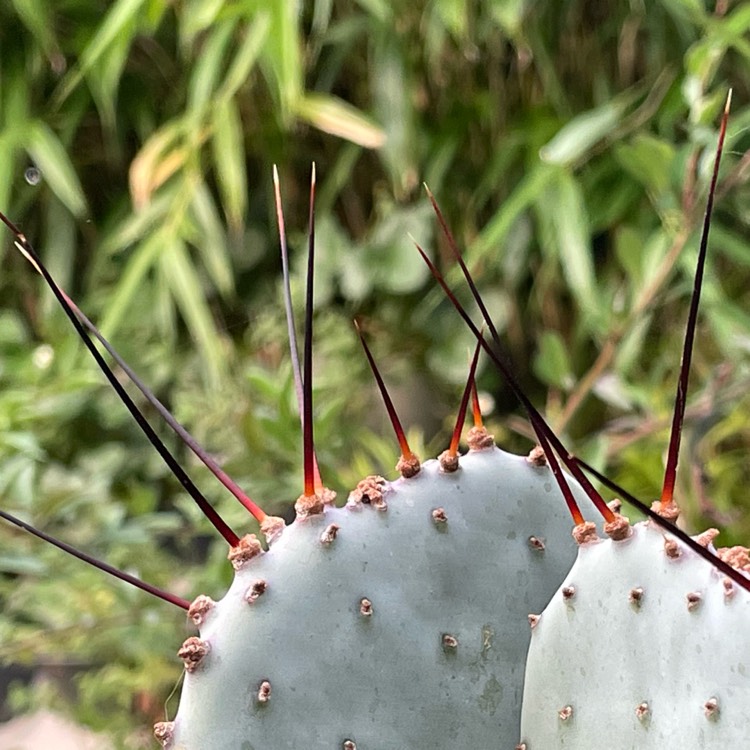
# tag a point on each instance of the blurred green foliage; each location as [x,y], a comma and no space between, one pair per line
[569,145]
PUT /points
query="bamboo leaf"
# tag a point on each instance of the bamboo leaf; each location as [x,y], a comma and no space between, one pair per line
[333,115]
[282,53]
[175,266]
[728,243]
[380,10]
[37,17]
[492,236]
[393,107]
[229,160]
[577,136]
[247,54]
[136,226]
[163,154]
[60,245]
[136,270]
[552,362]
[212,242]
[121,15]
[564,222]
[103,80]
[649,160]
[8,167]
[199,15]
[208,67]
[51,157]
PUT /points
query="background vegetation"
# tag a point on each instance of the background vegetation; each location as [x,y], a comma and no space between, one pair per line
[569,144]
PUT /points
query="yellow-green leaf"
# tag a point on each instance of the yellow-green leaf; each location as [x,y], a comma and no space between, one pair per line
[333,115]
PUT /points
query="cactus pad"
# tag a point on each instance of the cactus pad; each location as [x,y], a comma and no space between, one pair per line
[399,620]
[644,646]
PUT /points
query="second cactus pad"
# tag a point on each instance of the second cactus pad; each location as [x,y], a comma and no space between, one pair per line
[645,646]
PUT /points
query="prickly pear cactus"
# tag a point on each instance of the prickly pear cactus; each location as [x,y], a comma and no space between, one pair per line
[399,620]
[645,646]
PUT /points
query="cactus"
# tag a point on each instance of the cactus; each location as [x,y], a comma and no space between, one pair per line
[644,645]
[402,618]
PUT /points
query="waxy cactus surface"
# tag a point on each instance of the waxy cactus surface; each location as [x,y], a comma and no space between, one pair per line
[645,645]
[399,620]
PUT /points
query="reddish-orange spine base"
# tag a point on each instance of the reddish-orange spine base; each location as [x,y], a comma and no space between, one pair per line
[536,419]
[168,417]
[673,454]
[291,330]
[208,461]
[308,443]
[537,422]
[476,409]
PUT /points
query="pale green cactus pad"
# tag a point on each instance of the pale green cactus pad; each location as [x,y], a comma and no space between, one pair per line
[397,621]
[646,646]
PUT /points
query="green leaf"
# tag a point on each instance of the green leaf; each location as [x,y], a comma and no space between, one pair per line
[206,72]
[176,268]
[380,10]
[229,159]
[654,248]
[20,564]
[394,109]
[649,160]
[247,54]
[282,54]
[8,167]
[198,16]
[38,18]
[577,136]
[126,291]
[629,248]
[566,234]
[60,246]
[104,78]
[733,246]
[113,29]
[510,16]
[135,226]
[16,95]
[212,242]
[552,363]
[52,159]
[454,16]
[393,264]
[528,190]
